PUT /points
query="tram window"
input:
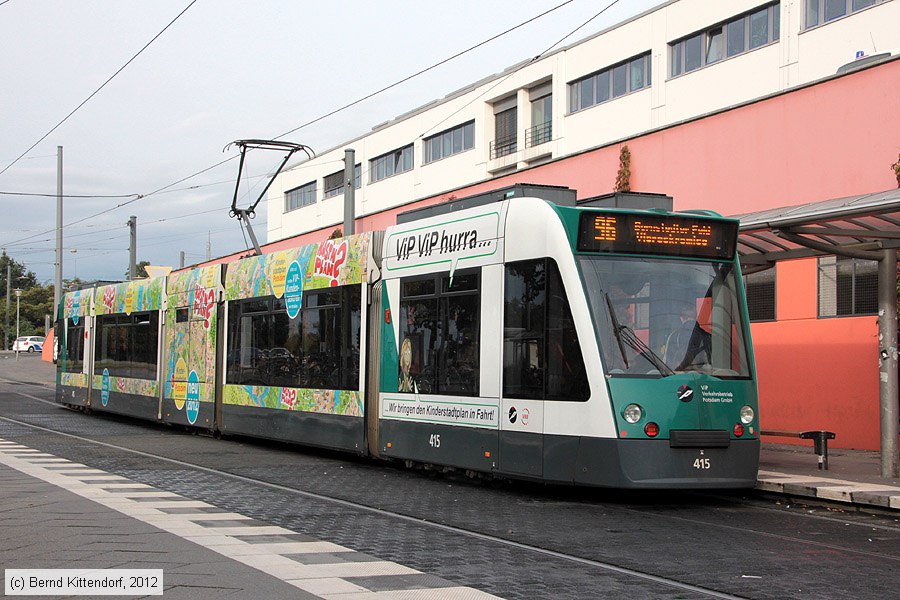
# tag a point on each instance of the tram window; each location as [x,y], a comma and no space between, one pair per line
[181,315]
[420,287]
[542,356]
[460,283]
[566,375]
[523,339]
[321,327]
[285,349]
[144,344]
[439,333]
[250,341]
[105,351]
[317,349]
[418,330]
[73,358]
[126,345]
[257,305]
[461,352]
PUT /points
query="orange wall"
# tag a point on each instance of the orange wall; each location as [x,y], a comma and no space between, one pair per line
[796,283]
[816,373]
[820,374]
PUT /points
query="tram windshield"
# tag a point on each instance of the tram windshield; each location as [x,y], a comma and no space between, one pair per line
[657,317]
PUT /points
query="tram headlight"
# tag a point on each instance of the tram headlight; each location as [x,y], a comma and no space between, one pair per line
[747,415]
[633,413]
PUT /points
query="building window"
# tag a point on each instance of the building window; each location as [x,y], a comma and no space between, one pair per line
[300,197]
[823,11]
[760,290]
[447,143]
[541,355]
[847,286]
[390,164]
[439,334]
[628,76]
[715,45]
[505,126]
[333,185]
[541,130]
[736,36]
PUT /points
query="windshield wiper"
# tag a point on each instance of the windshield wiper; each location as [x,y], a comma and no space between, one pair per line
[638,344]
[616,327]
[625,334]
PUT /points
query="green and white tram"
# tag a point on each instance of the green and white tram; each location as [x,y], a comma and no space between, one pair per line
[578,345]
[516,337]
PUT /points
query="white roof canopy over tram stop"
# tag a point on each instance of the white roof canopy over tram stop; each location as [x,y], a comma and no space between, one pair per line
[865,227]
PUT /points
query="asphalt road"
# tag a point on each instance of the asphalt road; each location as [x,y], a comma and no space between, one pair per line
[515,540]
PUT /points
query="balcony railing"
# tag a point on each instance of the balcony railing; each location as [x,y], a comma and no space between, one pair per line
[503,146]
[539,134]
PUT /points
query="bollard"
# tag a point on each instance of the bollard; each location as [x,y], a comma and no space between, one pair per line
[820,440]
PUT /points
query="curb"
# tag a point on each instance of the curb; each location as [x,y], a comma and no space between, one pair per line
[834,490]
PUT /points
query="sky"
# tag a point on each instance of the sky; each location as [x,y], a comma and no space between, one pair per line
[224,70]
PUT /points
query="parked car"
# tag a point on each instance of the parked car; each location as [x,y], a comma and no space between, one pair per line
[28,344]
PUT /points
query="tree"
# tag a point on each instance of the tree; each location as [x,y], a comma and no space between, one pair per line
[20,277]
[896,169]
[623,177]
[35,303]
[140,270]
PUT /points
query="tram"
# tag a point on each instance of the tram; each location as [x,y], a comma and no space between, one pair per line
[517,337]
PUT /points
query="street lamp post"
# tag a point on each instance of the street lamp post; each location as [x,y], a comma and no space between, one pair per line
[6,320]
[18,296]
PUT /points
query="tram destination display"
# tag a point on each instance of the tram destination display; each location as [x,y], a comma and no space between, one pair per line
[656,234]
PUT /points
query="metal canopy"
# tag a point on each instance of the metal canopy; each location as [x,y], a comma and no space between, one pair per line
[858,226]
[866,227]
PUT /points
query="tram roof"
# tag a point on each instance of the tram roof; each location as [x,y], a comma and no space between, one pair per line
[858,226]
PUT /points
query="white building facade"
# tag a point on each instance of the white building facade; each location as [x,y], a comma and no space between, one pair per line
[677,62]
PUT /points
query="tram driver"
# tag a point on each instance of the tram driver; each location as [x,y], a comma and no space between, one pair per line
[689,346]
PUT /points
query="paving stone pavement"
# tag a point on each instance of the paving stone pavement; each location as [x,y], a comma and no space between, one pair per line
[59,514]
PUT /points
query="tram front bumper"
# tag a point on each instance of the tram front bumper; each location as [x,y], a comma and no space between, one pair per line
[647,464]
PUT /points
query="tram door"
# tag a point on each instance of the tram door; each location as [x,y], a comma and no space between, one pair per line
[524,359]
[542,364]
[191,329]
[88,353]
[74,349]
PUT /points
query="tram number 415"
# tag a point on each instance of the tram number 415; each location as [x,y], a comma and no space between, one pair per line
[701,463]
[435,440]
